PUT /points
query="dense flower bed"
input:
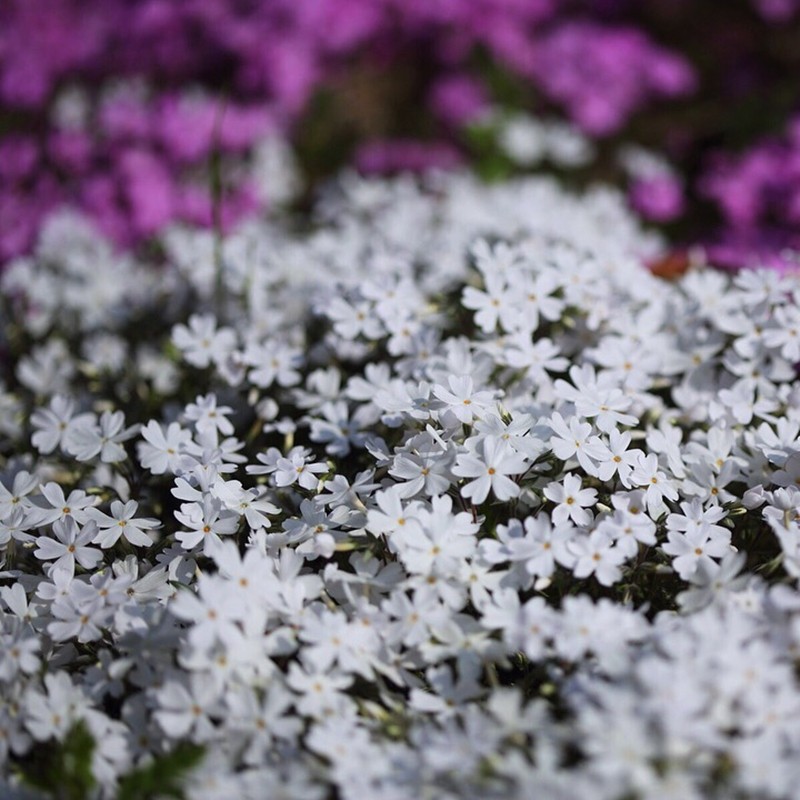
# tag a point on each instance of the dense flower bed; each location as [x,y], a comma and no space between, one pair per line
[444,496]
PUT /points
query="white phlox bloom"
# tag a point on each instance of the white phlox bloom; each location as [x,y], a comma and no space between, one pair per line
[575,439]
[102,438]
[435,493]
[572,502]
[490,471]
[122,521]
[462,401]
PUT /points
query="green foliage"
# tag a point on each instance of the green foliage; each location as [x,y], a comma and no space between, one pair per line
[162,777]
[63,770]
[487,157]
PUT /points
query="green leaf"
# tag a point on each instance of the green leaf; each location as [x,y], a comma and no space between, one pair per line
[162,777]
[63,769]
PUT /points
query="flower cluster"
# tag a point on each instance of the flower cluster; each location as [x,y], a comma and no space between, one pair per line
[620,58]
[446,497]
[125,109]
[143,114]
[757,195]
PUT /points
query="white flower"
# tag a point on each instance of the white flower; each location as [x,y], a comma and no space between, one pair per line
[48,368]
[575,439]
[252,503]
[52,424]
[272,361]
[209,418]
[53,714]
[441,541]
[201,341]
[596,555]
[616,459]
[70,545]
[17,496]
[711,581]
[359,636]
[184,711]
[122,522]
[162,451]
[296,468]
[79,619]
[571,500]
[628,530]
[320,691]
[337,429]
[353,320]
[695,546]
[489,305]
[526,627]
[86,439]
[52,505]
[262,720]
[537,358]
[205,522]
[535,543]
[19,655]
[391,515]
[594,400]
[462,401]
[490,473]
[656,484]
[786,332]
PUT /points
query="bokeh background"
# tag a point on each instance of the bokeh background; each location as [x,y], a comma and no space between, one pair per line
[147,113]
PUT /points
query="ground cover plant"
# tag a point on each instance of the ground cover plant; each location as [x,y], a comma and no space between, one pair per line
[439,495]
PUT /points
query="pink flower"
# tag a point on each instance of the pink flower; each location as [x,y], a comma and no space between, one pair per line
[658,198]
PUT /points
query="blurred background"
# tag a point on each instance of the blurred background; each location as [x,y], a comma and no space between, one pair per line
[147,113]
